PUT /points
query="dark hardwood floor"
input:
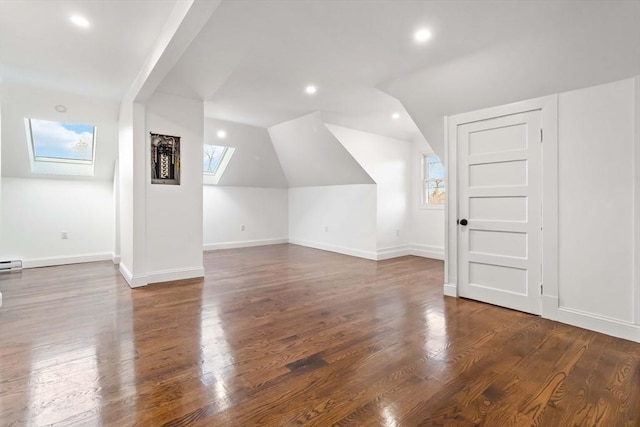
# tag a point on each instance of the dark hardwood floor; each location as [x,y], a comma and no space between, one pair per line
[286,335]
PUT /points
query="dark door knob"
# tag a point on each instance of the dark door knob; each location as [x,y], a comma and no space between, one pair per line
[463,222]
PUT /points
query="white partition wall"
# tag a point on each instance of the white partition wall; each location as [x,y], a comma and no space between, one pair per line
[597,216]
[161,225]
[590,209]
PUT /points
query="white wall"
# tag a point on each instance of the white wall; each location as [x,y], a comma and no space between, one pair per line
[36,211]
[55,203]
[598,147]
[263,212]
[26,101]
[1,240]
[132,173]
[427,222]
[311,156]
[254,162]
[387,161]
[596,200]
[636,251]
[338,218]
[174,212]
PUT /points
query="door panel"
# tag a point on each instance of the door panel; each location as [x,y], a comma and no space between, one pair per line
[505,243]
[499,167]
[498,174]
[498,208]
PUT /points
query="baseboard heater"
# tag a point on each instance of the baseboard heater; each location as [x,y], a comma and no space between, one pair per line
[9,266]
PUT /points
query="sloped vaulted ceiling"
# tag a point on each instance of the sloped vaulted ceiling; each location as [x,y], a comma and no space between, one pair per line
[311,156]
[252,60]
[579,45]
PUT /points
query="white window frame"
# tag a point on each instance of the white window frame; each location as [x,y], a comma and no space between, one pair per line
[213,178]
[55,165]
[424,204]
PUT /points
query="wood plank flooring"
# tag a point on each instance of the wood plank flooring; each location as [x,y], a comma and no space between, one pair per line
[286,335]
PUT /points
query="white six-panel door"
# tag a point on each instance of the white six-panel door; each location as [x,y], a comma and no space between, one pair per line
[499,182]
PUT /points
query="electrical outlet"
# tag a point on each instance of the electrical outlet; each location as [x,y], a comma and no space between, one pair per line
[326,228]
[64,235]
[242,227]
[397,233]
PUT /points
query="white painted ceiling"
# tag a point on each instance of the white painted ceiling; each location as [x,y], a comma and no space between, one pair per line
[40,47]
[253,59]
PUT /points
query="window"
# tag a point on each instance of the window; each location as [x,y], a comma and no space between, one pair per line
[61,142]
[58,148]
[433,192]
[213,155]
[214,162]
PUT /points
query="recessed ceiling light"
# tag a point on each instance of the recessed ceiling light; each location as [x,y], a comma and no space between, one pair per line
[422,35]
[60,108]
[311,89]
[221,134]
[395,116]
[79,21]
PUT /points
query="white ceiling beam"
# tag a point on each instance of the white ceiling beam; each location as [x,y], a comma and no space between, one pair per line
[184,23]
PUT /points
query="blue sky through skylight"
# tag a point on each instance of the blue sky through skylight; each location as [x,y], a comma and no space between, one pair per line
[213,155]
[62,140]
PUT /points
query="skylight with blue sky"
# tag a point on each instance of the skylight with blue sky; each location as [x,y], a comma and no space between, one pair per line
[213,155]
[214,162]
[57,141]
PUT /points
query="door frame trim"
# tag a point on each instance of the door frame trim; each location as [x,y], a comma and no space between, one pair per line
[548,105]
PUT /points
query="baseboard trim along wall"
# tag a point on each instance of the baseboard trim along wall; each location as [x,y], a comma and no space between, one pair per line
[73,259]
[392,252]
[426,251]
[244,244]
[160,276]
[450,290]
[415,249]
[602,324]
[176,274]
[133,282]
[338,249]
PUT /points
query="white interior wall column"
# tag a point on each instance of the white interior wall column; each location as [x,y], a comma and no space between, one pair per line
[132,193]
[1,179]
[636,257]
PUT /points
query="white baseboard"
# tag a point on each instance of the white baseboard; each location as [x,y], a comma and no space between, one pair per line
[74,259]
[244,244]
[159,276]
[338,249]
[426,251]
[450,290]
[115,258]
[175,274]
[133,282]
[602,324]
[392,252]
[416,249]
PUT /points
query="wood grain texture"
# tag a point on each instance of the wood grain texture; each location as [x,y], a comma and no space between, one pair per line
[287,335]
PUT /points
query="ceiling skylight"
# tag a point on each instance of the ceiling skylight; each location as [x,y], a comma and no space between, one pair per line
[60,148]
[57,141]
[214,162]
